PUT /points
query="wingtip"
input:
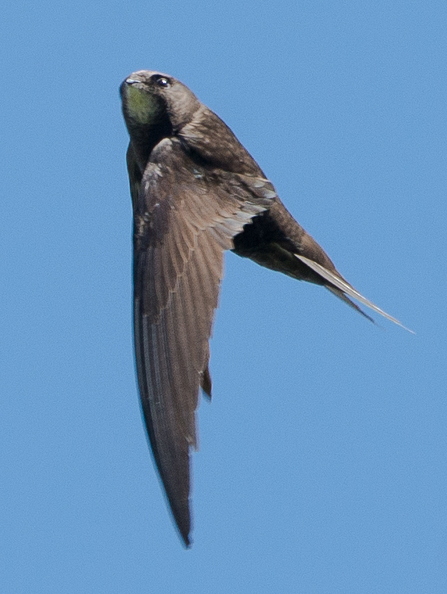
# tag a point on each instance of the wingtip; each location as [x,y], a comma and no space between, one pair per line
[186,540]
[342,289]
[405,327]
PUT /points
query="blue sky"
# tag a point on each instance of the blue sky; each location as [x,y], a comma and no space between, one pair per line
[322,465]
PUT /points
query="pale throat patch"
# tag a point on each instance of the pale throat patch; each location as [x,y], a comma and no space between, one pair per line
[143,107]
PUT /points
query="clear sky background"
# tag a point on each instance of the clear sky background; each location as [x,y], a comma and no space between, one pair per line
[323,458]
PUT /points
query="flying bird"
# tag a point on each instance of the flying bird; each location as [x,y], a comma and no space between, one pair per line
[196,192]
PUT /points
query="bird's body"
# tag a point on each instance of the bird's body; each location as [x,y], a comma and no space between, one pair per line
[196,192]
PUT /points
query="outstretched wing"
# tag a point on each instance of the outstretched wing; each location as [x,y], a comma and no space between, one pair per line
[185,217]
[342,289]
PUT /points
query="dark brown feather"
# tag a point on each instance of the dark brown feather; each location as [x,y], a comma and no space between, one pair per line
[184,220]
[196,192]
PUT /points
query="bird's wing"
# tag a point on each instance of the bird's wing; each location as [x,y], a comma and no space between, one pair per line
[344,290]
[185,217]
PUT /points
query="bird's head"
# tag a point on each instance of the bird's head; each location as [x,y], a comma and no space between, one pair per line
[150,98]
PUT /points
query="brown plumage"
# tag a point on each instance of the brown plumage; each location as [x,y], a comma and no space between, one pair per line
[196,192]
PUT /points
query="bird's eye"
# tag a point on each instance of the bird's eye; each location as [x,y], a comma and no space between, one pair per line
[161,81]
